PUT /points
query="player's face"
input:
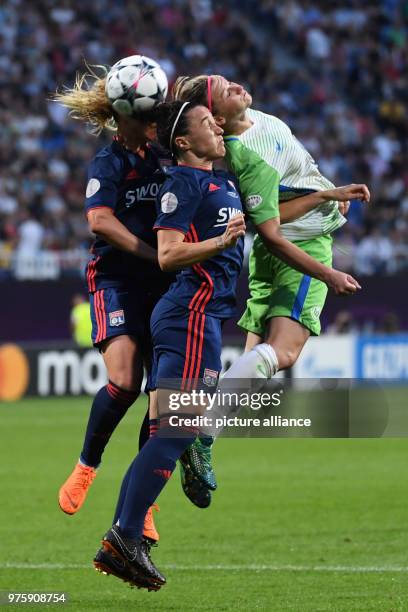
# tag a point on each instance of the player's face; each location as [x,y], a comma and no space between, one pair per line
[134,132]
[204,136]
[229,99]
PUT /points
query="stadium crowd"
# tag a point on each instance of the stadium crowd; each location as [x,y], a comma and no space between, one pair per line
[336,72]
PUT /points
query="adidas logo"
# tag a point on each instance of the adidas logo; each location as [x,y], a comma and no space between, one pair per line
[132,175]
[213,187]
[163,473]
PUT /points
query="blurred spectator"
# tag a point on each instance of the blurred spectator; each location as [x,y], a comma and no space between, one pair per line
[374,254]
[390,324]
[30,235]
[336,72]
[342,324]
[81,325]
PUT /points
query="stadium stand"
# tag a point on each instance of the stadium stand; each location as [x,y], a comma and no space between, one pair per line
[336,72]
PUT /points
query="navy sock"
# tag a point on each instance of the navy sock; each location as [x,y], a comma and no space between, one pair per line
[148,475]
[152,425]
[144,430]
[108,408]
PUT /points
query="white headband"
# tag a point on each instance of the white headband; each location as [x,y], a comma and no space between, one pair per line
[176,122]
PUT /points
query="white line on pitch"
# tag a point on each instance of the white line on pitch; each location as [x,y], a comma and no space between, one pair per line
[235,568]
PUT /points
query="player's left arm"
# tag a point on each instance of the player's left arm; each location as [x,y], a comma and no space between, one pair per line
[293,209]
[175,254]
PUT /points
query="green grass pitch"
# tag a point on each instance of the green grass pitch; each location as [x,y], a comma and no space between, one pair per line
[296,524]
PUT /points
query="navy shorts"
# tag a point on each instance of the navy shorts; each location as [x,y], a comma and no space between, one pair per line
[118,312]
[186,348]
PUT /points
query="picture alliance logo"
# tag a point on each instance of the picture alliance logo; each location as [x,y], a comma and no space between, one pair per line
[70,372]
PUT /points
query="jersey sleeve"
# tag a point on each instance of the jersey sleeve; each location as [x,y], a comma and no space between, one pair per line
[104,177]
[258,182]
[176,203]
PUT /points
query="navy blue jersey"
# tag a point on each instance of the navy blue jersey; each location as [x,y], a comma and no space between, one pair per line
[128,184]
[199,203]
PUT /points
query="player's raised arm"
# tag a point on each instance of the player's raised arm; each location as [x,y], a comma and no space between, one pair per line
[296,208]
[259,184]
[341,283]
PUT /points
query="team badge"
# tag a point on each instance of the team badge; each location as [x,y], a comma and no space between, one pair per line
[116,318]
[253,201]
[315,312]
[210,377]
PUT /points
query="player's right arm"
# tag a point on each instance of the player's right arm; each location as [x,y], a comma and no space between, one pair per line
[103,223]
[259,184]
[296,208]
[101,194]
[341,283]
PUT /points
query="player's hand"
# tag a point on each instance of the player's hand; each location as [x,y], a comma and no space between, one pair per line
[349,192]
[343,284]
[344,207]
[235,230]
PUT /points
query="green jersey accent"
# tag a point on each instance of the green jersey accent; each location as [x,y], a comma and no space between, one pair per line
[258,182]
[274,142]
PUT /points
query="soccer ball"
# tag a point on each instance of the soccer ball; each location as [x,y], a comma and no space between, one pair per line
[135,84]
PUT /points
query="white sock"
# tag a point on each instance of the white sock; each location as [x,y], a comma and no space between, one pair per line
[260,362]
[248,374]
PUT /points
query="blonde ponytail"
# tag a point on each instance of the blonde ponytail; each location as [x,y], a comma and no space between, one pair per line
[88,102]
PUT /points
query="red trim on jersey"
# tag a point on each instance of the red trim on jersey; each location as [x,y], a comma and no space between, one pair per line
[197,294]
[194,233]
[203,295]
[210,286]
[91,273]
[162,227]
[95,207]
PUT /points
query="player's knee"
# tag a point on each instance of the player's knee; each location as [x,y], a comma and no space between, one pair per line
[126,380]
[287,358]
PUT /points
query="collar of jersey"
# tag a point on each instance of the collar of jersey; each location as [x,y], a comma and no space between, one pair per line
[194,167]
[229,138]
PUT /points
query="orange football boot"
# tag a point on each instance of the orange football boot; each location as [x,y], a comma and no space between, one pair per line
[73,492]
[149,528]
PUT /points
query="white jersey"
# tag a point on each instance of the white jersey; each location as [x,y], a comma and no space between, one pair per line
[273,140]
